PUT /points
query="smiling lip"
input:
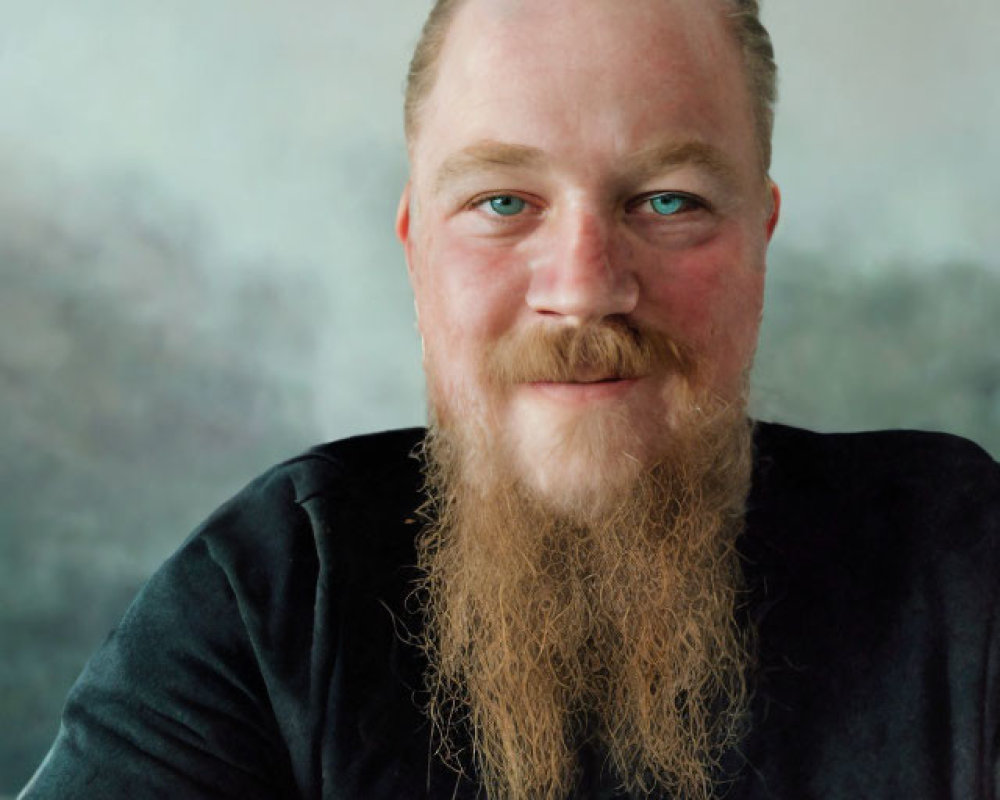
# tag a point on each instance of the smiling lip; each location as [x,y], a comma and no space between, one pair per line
[584,391]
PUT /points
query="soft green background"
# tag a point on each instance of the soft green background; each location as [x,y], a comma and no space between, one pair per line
[198,277]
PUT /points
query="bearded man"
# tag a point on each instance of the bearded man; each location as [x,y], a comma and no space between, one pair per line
[591,576]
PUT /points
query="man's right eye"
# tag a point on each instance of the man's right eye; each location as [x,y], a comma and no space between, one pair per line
[504,205]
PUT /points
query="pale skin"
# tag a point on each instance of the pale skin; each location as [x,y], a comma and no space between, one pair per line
[577,161]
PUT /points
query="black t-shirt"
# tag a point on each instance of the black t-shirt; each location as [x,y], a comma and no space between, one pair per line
[268,657]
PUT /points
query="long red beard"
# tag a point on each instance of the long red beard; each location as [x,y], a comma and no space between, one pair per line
[544,629]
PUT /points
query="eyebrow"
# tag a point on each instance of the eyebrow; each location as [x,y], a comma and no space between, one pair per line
[487,153]
[646,162]
[668,155]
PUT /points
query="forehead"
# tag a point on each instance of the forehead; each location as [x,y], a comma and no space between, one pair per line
[578,74]
[580,29]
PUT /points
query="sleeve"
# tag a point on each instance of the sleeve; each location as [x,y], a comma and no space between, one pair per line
[174,704]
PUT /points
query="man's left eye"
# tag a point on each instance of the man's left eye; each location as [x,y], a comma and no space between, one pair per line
[669,203]
[505,205]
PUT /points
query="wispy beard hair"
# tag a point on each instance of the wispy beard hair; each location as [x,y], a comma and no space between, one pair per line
[545,631]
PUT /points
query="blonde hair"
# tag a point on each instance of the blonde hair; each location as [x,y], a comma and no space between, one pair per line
[744,16]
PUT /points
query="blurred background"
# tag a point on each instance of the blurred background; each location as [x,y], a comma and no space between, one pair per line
[198,275]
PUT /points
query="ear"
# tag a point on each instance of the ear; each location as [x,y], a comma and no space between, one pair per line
[403,224]
[403,221]
[772,218]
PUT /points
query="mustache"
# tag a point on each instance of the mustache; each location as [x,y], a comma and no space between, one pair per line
[606,350]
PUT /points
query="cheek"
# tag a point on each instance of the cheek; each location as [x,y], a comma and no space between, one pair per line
[710,298]
[468,294]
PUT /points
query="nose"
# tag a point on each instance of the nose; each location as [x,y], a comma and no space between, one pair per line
[583,271]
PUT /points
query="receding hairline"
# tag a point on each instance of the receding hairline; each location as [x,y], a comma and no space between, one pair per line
[743,21]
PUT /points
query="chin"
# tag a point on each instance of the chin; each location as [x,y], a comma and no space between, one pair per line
[578,463]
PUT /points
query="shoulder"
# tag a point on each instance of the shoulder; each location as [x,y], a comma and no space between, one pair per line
[302,503]
[205,689]
[928,489]
[354,468]
[315,533]
[264,588]
[907,459]
[873,576]
[905,454]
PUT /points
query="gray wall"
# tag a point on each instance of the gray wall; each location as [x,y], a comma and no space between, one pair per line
[198,273]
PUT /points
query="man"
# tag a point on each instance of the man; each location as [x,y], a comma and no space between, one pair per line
[591,577]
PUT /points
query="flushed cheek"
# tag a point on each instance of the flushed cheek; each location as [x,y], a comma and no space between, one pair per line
[713,306]
[702,294]
[468,297]
[477,291]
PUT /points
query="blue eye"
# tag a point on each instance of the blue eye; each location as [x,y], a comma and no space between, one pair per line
[668,204]
[506,205]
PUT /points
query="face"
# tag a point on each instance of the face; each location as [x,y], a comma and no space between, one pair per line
[584,164]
